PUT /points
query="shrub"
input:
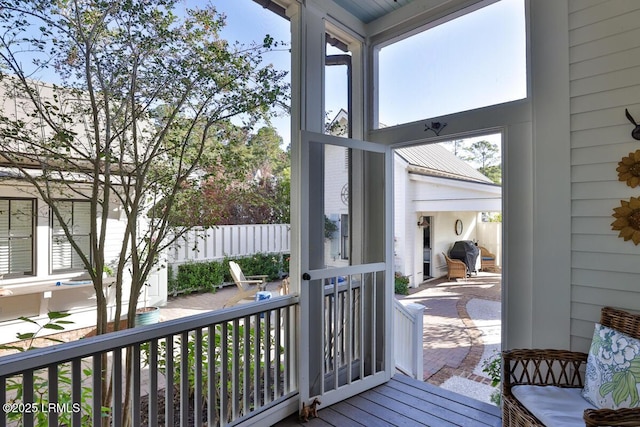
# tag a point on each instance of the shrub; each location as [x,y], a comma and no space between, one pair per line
[401,284]
[493,368]
[197,276]
[268,264]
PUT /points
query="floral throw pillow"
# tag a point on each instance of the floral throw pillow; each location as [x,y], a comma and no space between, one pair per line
[613,370]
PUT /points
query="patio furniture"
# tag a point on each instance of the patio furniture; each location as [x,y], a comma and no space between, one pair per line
[455,268]
[248,286]
[487,259]
[550,383]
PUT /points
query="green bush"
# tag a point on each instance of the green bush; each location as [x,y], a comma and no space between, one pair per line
[401,284]
[196,277]
[268,264]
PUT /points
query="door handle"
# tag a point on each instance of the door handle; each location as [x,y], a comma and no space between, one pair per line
[306,276]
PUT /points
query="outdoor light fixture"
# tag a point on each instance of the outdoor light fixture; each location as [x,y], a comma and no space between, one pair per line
[423,222]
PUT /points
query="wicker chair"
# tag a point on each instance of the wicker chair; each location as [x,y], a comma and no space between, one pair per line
[487,259]
[562,369]
[455,268]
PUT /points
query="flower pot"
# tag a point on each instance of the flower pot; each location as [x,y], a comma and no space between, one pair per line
[147,316]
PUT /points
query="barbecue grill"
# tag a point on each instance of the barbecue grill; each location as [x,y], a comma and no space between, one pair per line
[467,252]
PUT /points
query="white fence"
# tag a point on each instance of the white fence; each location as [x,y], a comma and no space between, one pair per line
[408,324]
[208,244]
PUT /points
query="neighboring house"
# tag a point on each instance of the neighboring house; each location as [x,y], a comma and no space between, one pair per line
[433,191]
[39,269]
[432,186]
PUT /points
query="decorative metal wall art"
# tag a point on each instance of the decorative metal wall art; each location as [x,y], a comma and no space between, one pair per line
[628,220]
[628,214]
[436,127]
[629,169]
[635,133]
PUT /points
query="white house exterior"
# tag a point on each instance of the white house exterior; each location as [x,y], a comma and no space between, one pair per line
[434,187]
[39,270]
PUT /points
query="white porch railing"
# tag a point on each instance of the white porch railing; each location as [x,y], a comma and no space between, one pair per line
[227,367]
[207,244]
[408,334]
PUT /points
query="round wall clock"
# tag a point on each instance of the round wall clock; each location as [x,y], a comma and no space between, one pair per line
[458,227]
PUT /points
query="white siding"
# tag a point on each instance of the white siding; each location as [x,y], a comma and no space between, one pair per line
[604,52]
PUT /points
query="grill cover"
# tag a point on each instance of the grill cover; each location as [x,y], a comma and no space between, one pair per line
[467,252]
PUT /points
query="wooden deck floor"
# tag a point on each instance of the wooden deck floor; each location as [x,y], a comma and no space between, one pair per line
[405,402]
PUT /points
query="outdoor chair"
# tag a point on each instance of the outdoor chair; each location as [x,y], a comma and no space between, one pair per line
[455,268]
[248,286]
[551,387]
[487,259]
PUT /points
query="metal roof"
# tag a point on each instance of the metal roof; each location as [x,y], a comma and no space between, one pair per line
[370,10]
[436,160]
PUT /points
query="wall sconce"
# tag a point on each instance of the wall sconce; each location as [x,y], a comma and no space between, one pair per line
[423,222]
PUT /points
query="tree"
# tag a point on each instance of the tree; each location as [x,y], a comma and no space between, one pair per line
[139,93]
[486,154]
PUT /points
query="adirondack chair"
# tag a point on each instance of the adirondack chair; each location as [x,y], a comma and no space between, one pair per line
[248,286]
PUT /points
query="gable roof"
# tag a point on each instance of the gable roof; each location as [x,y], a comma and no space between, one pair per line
[436,160]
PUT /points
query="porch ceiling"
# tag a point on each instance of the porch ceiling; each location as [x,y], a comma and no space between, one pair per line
[370,10]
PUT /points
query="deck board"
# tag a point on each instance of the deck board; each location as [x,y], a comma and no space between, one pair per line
[405,402]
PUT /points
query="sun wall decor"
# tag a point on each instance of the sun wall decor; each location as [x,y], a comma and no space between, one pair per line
[628,219]
[629,169]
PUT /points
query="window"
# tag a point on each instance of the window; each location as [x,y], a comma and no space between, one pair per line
[475,60]
[16,237]
[77,216]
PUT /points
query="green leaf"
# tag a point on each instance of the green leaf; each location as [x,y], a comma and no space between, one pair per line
[57,315]
[621,391]
[634,368]
[26,336]
[607,388]
[53,326]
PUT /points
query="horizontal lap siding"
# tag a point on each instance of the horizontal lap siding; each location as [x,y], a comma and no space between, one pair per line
[604,80]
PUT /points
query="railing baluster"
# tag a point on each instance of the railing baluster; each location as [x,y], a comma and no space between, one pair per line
[257,401]
[3,398]
[246,366]
[153,383]
[169,390]
[197,392]
[287,350]
[211,376]
[337,325]
[76,392]
[224,374]
[348,329]
[235,371]
[116,370]
[184,379]
[362,325]
[267,357]
[97,389]
[137,382]
[27,397]
[52,373]
[372,325]
[278,356]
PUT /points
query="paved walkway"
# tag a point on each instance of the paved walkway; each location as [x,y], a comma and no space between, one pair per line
[455,343]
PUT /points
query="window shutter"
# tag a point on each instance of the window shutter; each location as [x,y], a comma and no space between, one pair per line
[16,236]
